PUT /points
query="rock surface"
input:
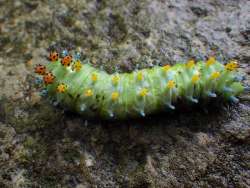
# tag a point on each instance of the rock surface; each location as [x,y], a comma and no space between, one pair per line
[43,146]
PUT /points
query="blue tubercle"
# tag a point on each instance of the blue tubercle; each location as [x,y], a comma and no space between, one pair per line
[247,88]
[44,93]
[38,81]
[77,56]
[65,53]
[238,78]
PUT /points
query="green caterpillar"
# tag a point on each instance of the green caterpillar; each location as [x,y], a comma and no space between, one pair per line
[91,92]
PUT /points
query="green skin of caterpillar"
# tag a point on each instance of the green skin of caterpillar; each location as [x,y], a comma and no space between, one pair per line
[130,103]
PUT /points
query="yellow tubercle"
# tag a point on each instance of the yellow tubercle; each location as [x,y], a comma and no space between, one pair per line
[77,66]
[170,84]
[143,92]
[166,68]
[215,75]
[61,88]
[195,78]
[232,65]
[210,61]
[190,64]
[114,96]
[94,77]
[88,93]
[115,79]
[140,76]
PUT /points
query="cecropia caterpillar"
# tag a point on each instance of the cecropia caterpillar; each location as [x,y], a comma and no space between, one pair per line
[92,92]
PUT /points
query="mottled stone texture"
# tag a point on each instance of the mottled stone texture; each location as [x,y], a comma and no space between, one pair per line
[43,146]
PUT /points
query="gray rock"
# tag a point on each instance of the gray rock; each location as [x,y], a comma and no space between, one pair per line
[44,146]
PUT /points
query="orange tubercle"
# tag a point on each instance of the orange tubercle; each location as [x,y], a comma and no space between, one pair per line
[40,69]
[48,78]
[66,61]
